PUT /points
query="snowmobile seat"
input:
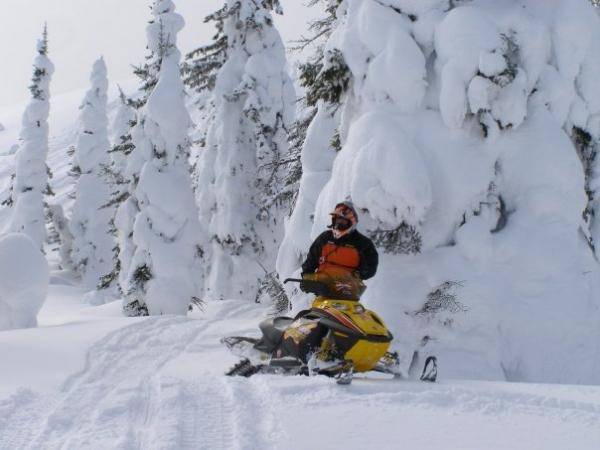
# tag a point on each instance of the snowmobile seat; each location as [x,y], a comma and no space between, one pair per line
[273,329]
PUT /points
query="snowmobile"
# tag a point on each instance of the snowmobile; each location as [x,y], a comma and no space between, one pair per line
[336,337]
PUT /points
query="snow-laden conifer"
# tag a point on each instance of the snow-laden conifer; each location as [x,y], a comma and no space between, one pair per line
[164,271]
[30,182]
[148,71]
[138,152]
[203,63]
[115,175]
[247,138]
[90,221]
[64,237]
[325,78]
[456,147]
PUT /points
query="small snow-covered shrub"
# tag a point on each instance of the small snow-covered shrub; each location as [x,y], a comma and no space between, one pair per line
[402,239]
[24,278]
[443,298]
[271,287]
[60,226]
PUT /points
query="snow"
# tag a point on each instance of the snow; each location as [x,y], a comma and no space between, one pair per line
[434,133]
[24,274]
[158,383]
[394,184]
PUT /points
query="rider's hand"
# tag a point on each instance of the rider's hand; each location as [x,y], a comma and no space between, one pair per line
[304,287]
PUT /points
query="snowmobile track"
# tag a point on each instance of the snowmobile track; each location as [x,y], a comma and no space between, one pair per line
[120,400]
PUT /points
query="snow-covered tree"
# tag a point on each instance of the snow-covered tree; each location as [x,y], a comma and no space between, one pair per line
[456,134]
[115,174]
[64,237]
[325,78]
[138,151]
[30,182]
[203,63]
[90,221]
[148,71]
[164,271]
[247,138]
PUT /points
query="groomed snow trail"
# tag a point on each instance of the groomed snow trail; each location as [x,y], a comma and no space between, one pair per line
[122,399]
[157,384]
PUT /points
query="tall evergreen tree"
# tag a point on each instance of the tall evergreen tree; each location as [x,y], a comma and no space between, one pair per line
[148,71]
[202,64]
[90,221]
[31,173]
[164,270]
[115,175]
[247,137]
[139,150]
[315,136]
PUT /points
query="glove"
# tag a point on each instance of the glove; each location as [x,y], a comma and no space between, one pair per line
[304,287]
[303,284]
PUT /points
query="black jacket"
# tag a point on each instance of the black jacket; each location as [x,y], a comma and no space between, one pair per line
[366,250]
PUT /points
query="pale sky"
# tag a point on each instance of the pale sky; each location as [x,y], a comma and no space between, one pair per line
[82,30]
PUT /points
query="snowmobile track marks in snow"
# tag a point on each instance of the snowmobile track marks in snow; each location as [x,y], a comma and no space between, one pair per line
[121,400]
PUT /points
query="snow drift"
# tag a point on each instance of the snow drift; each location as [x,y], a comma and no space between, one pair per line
[24,278]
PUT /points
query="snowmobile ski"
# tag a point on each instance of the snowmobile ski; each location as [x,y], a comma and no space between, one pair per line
[244,368]
[429,373]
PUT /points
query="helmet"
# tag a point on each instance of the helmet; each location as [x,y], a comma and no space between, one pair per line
[343,219]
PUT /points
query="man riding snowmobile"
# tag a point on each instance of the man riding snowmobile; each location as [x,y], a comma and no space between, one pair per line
[337,336]
[342,247]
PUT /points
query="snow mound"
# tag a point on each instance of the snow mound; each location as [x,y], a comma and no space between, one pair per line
[24,281]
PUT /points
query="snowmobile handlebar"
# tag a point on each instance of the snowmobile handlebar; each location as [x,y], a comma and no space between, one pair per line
[310,286]
[341,289]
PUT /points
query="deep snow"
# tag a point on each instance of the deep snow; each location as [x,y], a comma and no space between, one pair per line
[24,281]
[88,378]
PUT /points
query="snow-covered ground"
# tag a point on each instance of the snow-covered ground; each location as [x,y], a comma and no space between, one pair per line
[89,378]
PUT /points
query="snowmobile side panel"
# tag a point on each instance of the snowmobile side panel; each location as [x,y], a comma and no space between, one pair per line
[354,315]
[273,330]
[365,355]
